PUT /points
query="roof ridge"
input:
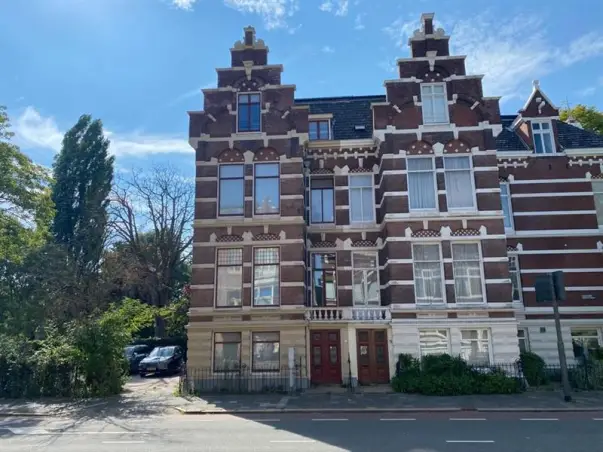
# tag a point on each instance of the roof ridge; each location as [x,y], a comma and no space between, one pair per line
[340,98]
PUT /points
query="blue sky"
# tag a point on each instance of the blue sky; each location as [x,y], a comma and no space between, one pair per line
[139,65]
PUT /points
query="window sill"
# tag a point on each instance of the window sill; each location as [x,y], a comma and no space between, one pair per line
[230,217]
[268,216]
[249,132]
[266,306]
[425,212]
[363,224]
[228,308]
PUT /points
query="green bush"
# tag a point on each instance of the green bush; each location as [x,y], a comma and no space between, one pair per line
[447,375]
[534,368]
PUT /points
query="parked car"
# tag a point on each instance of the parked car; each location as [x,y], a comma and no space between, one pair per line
[135,354]
[162,360]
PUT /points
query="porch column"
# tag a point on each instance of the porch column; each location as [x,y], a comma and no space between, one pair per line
[353,355]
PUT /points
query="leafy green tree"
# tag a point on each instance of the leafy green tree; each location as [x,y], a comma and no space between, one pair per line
[83,174]
[589,117]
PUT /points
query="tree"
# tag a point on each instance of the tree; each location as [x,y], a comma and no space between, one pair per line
[152,214]
[83,175]
[589,117]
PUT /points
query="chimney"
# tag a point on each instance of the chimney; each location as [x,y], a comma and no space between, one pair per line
[427,23]
[249,36]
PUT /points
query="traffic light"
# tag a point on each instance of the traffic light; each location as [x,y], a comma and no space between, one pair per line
[545,290]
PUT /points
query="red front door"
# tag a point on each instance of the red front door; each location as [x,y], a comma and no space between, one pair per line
[373,363]
[325,357]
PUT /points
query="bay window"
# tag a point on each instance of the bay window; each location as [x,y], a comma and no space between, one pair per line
[427,270]
[365,279]
[322,205]
[362,198]
[231,190]
[458,176]
[542,134]
[324,279]
[229,278]
[434,103]
[421,183]
[467,270]
[266,188]
[249,112]
[266,277]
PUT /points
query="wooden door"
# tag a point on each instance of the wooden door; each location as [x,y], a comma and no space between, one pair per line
[325,357]
[373,362]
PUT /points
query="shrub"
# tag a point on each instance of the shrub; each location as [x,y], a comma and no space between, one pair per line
[534,368]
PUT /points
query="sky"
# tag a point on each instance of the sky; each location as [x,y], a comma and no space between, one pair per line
[140,65]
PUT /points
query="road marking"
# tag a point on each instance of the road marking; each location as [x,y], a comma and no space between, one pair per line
[398,419]
[28,431]
[123,442]
[289,441]
[326,420]
[539,419]
[263,420]
[598,419]
[467,418]
[477,441]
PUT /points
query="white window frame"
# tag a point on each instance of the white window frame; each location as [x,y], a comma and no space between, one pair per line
[448,343]
[238,110]
[372,188]
[479,334]
[598,330]
[216,276]
[220,166]
[515,258]
[542,132]
[435,185]
[506,200]
[329,130]
[525,337]
[597,186]
[253,189]
[442,278]
[253,265]
[310,217]
[481,270]
[471,180]
[431,97]
[376,302]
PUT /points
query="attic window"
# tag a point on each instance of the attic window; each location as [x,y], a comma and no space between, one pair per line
[543,137]
[320,130]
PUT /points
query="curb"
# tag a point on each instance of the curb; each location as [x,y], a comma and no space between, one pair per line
[541,410]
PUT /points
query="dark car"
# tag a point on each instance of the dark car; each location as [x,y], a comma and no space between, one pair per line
[135,354]
[162,360]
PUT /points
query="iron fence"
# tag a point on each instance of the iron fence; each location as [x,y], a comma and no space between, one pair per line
[285,379]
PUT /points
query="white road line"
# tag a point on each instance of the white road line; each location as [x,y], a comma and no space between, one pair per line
[289,441]
[539,419]
[467,418]
[263,420]
[123,442]
[598,419]
[327,420]
[487,441]
[398,419]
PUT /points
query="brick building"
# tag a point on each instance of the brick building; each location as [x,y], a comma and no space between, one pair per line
[354,229]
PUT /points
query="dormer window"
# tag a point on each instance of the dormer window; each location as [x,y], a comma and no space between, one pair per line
[319,130]
[435,103]
[543,137]
[249,112]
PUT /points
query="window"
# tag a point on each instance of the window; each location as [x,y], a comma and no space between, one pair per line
[460,193]
[227,352]
[475,346]
[598,194]
[362,198]
[324,282]
[435,104]
[523,340]
[427,268]
[266,277]
[467,270]
[266,352]
[515,277]
[505,200]
[232,190]
[421,184]
[266,189]
[433,342]
[365,279]
[585,341]
[322,208]
[543,137]
[229,281]
[249,112]
[319,130]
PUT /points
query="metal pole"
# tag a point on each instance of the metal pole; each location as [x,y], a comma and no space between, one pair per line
[562,360]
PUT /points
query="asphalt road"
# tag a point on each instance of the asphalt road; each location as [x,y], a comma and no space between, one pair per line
[420,432]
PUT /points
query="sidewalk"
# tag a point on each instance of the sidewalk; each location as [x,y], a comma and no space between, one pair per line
[344,402]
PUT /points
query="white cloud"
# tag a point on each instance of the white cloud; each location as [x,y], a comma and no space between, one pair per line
[590,90]
[184,4]
[328,49]
[32,130]
[509,54]
[358,24]
[273,12]
[337,7]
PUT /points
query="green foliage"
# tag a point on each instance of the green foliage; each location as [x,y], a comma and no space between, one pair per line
[589,117]
[134,316]
[83,174]
[534,368]
[446,375]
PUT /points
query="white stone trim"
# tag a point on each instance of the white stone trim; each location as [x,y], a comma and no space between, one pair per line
[571,289]
[563,309]
[565,270]
[552,195]
[524,213]
[242,221]
[546,181]
[572,251]
[554,233]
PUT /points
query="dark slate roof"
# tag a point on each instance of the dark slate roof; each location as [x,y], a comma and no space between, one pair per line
[508,140]
[570,136]
[348,112]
